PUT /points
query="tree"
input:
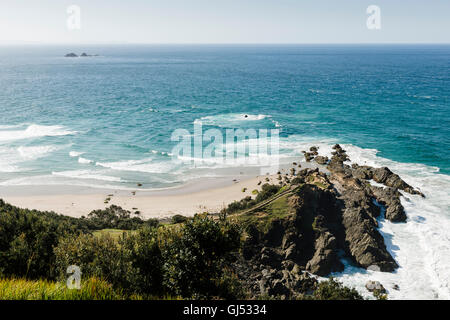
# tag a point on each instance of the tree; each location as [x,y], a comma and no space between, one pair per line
[195,257]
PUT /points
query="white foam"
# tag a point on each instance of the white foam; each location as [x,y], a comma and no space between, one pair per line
[230,119]
[60,180]
[84,161]
[86,174]
[421,247]
[35,152]
[12,157]
[376,184]
[144,165]
[75,154]
[34,131]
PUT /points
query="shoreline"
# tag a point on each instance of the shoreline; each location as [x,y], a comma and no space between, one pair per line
[197,196]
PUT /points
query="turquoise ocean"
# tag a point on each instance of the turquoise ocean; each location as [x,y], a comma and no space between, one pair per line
[106,122]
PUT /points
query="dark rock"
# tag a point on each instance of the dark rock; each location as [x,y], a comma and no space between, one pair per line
[278,288]
[309,156]
[390,198]
[84,54]
[321,160]
[384,176]
[364,243]
[291,252]
[71,55]
[325,259]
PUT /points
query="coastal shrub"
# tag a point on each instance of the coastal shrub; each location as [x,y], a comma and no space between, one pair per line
[100,257]
[27,239]
[243,204]
[113,217]
[332,289]
[152,223]
[144,252]
[380,295]
[178,218]
[267,191]
[196,255]
[297,181]
[188,261]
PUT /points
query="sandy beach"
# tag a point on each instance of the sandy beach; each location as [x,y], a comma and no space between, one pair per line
[204,196]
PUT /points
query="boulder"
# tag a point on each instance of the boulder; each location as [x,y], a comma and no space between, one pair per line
[375,286]
[321,160]
[390,199]
[384,176]
[309,156]
[325,259]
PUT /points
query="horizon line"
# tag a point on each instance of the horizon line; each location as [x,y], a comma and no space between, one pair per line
[219,43]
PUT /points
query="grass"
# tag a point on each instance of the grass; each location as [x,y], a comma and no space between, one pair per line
[279,206]
[113,233]
[321,185]
[92,289]
[276,210]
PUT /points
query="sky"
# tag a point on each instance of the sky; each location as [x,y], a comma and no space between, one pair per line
[223,21]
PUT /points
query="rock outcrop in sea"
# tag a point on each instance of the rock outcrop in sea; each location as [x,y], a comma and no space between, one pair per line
[83,55]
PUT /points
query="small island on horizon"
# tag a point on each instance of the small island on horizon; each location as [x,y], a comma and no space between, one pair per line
[84,54]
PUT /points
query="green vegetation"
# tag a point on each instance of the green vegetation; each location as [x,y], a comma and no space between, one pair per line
[125,257]
[91,289]
[27,239]
[279,207]
[188,261]
[334,290]
[266,192]
[178,218]
[114,217]
[243,204]
[380,295]
[120,263]
[113,233]
[315,224]
[262,220]
[195,258]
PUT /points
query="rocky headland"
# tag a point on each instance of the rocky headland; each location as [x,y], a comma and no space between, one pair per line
[318,217]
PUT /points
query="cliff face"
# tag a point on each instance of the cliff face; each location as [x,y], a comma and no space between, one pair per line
[325,217]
